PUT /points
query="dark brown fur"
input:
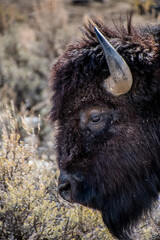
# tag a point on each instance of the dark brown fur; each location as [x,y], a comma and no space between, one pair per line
[118,169]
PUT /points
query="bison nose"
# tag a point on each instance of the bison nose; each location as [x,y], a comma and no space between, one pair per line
[64,187]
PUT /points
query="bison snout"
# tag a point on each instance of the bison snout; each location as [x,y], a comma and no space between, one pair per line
[64,190]
[64,187]
[68,184]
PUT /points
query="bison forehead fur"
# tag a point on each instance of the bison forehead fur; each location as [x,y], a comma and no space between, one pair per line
[108,147]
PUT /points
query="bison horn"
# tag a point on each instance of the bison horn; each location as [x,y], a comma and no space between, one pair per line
[120,80]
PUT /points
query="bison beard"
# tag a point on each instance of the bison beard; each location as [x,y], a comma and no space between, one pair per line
[108,142]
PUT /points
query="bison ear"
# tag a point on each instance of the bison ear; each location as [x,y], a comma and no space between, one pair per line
[120,80]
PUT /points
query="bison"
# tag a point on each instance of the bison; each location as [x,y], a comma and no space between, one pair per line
[106,103]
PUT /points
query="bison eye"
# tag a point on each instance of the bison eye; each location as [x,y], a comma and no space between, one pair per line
[96,122]
[95,118]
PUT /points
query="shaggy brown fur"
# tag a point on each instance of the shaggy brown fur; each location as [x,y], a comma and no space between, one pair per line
[115,169]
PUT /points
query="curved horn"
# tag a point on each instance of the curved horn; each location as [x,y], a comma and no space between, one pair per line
[120,80]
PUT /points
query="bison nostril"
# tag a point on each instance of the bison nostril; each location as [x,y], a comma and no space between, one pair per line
[64,187]
[65,191]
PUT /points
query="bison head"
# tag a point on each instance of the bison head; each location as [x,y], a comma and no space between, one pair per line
[106,103]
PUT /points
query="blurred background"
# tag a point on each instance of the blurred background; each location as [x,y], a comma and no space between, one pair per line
[33,34]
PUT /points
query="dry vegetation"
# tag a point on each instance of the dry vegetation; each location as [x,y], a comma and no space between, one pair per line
[32,35]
